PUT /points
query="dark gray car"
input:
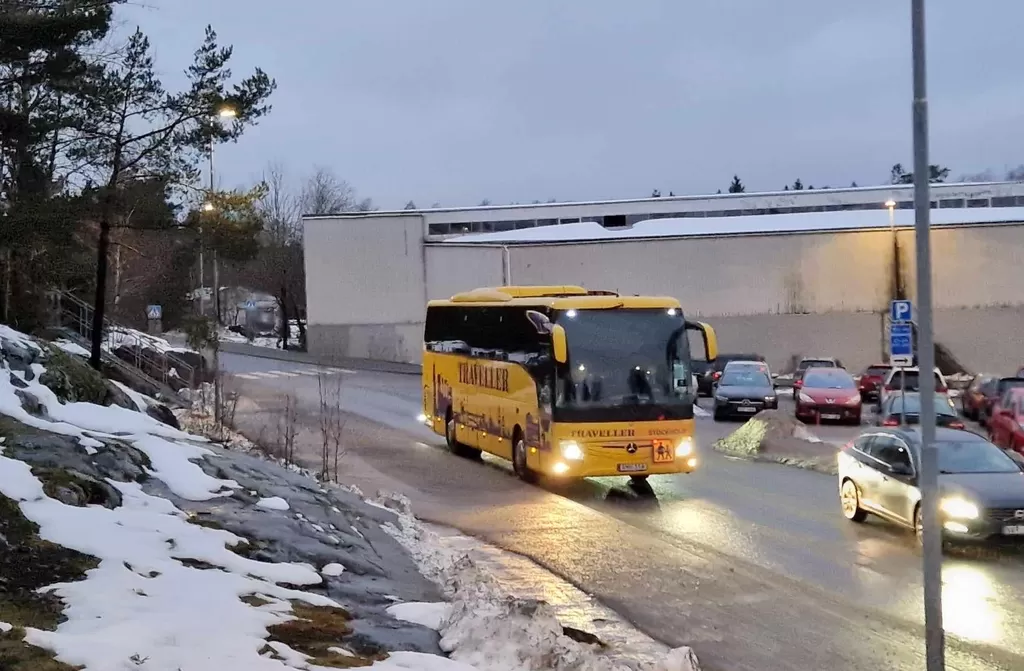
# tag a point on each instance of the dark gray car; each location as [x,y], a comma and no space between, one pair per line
[743,392]
[981,488]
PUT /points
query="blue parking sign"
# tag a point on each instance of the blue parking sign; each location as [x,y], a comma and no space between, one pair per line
[901,311]
[901,344]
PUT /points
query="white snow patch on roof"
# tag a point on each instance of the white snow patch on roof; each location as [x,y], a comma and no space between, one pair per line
[801,222]
[333,570]
[273,503]
[429,615]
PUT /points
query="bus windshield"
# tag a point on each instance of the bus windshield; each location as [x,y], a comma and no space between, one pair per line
[630,363]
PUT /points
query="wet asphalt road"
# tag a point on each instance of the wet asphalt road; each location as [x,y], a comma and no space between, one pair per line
[750,563]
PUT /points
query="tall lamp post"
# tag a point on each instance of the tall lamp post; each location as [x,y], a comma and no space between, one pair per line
[894,287]
[222,114]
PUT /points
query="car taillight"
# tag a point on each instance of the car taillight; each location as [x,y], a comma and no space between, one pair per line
[798,384]
[716,374]
[940,389]
[889,421]
[889,387]
[957,425]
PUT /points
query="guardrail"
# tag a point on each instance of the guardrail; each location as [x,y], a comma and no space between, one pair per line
[76,315]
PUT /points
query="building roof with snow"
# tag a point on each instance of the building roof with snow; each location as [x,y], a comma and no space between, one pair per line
[441,223]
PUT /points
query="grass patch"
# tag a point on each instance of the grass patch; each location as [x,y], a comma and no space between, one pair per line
[744,441]
[314,630]
[28,563]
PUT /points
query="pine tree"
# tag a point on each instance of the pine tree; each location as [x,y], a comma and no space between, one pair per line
[135,129]
[798,185]
[410,205]
[737,185]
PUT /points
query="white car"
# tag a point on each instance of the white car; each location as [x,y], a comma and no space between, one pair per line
[911,382]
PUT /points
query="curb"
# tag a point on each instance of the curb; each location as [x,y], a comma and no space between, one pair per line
[245,349]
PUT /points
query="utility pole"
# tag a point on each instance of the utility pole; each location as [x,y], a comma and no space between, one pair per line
[935,654]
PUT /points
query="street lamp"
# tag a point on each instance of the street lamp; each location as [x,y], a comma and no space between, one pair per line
[895,284]
[891,204]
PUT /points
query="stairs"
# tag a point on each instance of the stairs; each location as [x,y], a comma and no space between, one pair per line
[138,358]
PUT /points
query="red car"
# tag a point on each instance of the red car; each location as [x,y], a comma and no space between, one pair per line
[1006,424]
[992,398]
[828,394]
[871,380]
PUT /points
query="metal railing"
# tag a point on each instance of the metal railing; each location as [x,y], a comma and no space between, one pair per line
[125,345]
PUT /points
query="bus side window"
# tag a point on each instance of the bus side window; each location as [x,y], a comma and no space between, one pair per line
[446,329]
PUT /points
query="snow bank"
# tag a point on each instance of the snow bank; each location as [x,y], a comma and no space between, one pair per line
[486,628]
[332,570]
[72,348]
[429,615]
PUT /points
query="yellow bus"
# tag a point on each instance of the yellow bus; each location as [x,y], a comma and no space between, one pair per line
[563,381]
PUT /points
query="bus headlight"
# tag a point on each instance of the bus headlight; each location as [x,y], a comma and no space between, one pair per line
[684,448]
[571,451]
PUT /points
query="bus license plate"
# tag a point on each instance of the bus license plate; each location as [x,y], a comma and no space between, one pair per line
[1014,530]
[830,416]
[632,468]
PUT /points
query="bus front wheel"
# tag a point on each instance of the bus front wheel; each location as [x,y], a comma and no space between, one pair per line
[454,446]
[519,464]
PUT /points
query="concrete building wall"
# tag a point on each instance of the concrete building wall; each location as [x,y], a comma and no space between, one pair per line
[365,287]
[780,295]
[452,269]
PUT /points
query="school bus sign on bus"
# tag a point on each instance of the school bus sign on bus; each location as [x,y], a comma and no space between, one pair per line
[563,381]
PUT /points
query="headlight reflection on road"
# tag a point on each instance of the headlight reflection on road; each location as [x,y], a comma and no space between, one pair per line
[967,610]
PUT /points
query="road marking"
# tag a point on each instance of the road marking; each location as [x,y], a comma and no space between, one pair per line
[246,376]
[266,374]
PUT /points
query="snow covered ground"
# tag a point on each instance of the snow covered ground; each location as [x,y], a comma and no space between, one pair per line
[133,505]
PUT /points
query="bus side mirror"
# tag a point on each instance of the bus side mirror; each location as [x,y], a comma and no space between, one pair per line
[559,346]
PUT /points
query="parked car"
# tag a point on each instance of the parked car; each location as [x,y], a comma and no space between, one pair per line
[980,487]
[1002,385]
[828,394]
[706,382]
[908,379]
[905,409]
[1006,425]
[744,390]
[813,362]
[871,380]
[979,393]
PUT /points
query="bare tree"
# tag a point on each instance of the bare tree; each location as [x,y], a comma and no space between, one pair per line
[287,429]
[280,207]
[332,423]
[325,193]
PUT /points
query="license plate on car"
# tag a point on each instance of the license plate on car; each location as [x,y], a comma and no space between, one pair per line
[632,468]
[1013,530]
[830,416]
[746,408]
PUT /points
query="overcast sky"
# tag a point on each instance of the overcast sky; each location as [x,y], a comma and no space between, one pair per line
[454,101]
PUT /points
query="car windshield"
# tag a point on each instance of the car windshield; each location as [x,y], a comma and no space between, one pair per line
[624,357]
[816,363]
[974,456]
[831,379]
[912,380]
[745,377]
[911,405]
[724,360]
[877,371]
[1009,383]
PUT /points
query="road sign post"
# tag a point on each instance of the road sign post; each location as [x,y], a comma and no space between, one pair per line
[935,654]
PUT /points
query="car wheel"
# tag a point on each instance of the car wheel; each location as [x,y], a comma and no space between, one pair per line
[919,525]
[849,501]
